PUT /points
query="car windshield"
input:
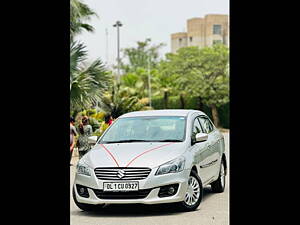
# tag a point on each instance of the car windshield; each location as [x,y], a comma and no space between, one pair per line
[146,129]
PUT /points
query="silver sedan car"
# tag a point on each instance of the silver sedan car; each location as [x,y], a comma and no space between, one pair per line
[152,157]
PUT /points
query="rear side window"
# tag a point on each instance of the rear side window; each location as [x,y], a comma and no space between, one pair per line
[206,125]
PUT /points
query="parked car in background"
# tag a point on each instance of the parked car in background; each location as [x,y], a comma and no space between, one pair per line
[152,157]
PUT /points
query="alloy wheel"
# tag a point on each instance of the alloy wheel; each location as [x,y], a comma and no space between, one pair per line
[193,192]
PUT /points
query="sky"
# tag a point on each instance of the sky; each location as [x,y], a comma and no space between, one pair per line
[141,19]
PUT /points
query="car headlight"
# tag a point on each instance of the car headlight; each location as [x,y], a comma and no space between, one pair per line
[84,169]
[173,166]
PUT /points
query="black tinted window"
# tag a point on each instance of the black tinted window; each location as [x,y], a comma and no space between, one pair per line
[196,129]
[206,124]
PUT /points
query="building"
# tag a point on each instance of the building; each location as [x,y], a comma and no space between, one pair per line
[202,32]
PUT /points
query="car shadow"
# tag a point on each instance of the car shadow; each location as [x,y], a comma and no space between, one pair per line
[207,193]
[140,210]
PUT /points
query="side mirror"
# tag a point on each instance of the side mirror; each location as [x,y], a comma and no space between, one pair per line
[200,137]
[92,139]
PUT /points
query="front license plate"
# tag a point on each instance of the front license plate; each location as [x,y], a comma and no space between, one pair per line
[121,186]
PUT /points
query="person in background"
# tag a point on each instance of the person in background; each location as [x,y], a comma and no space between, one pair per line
[108,120]
[73,133]
[85,131]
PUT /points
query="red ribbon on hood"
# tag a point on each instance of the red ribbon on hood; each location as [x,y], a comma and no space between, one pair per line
[150,150]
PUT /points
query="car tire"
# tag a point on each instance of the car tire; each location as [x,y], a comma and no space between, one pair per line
[184,205]
[218,186]
[86,207]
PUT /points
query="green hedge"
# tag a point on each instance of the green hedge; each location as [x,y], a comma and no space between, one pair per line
[193,103]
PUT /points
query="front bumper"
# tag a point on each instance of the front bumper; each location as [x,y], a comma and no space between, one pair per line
[151,182]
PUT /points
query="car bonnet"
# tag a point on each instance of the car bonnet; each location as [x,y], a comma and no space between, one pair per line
[150,154]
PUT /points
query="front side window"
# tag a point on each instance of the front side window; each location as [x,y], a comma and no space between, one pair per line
[196,129]
[217,29]
[206,124]
[146,129]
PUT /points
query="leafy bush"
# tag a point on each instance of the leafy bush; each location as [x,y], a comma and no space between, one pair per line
[99,116]
[94,123]
[97,133]
[91,112]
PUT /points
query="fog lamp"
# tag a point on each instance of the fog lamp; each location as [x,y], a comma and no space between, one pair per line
[168,190]
[171,190]
[81,190]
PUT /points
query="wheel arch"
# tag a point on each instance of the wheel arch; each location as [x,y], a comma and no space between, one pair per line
[225,162]
[194,168]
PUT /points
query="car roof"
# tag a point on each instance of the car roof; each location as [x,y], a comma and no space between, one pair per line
[162,112]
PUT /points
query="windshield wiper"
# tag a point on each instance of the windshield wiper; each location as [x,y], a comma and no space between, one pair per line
[168,140]
[138,140]
[126,141]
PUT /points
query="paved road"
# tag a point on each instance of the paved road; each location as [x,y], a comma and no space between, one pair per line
[214,210]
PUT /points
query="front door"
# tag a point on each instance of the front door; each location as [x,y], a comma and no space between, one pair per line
[213,136]
[202,152]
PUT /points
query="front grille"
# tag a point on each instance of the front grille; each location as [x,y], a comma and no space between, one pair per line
[122,194]
[129,173]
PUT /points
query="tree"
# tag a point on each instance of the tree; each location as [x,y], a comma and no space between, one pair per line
[214,78]
[163,83]
[138,57]
[202,73]
[87,82]
[179,69]
[118,100]
[137,79]
[79,14]
[135,64]
[135,83]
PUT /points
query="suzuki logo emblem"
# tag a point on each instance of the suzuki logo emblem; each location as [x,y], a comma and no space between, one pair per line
[121,174]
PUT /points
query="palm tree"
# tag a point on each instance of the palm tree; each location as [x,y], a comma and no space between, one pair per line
[163,83]
[79,13]
[120,100]
[87,82]
[136,83]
